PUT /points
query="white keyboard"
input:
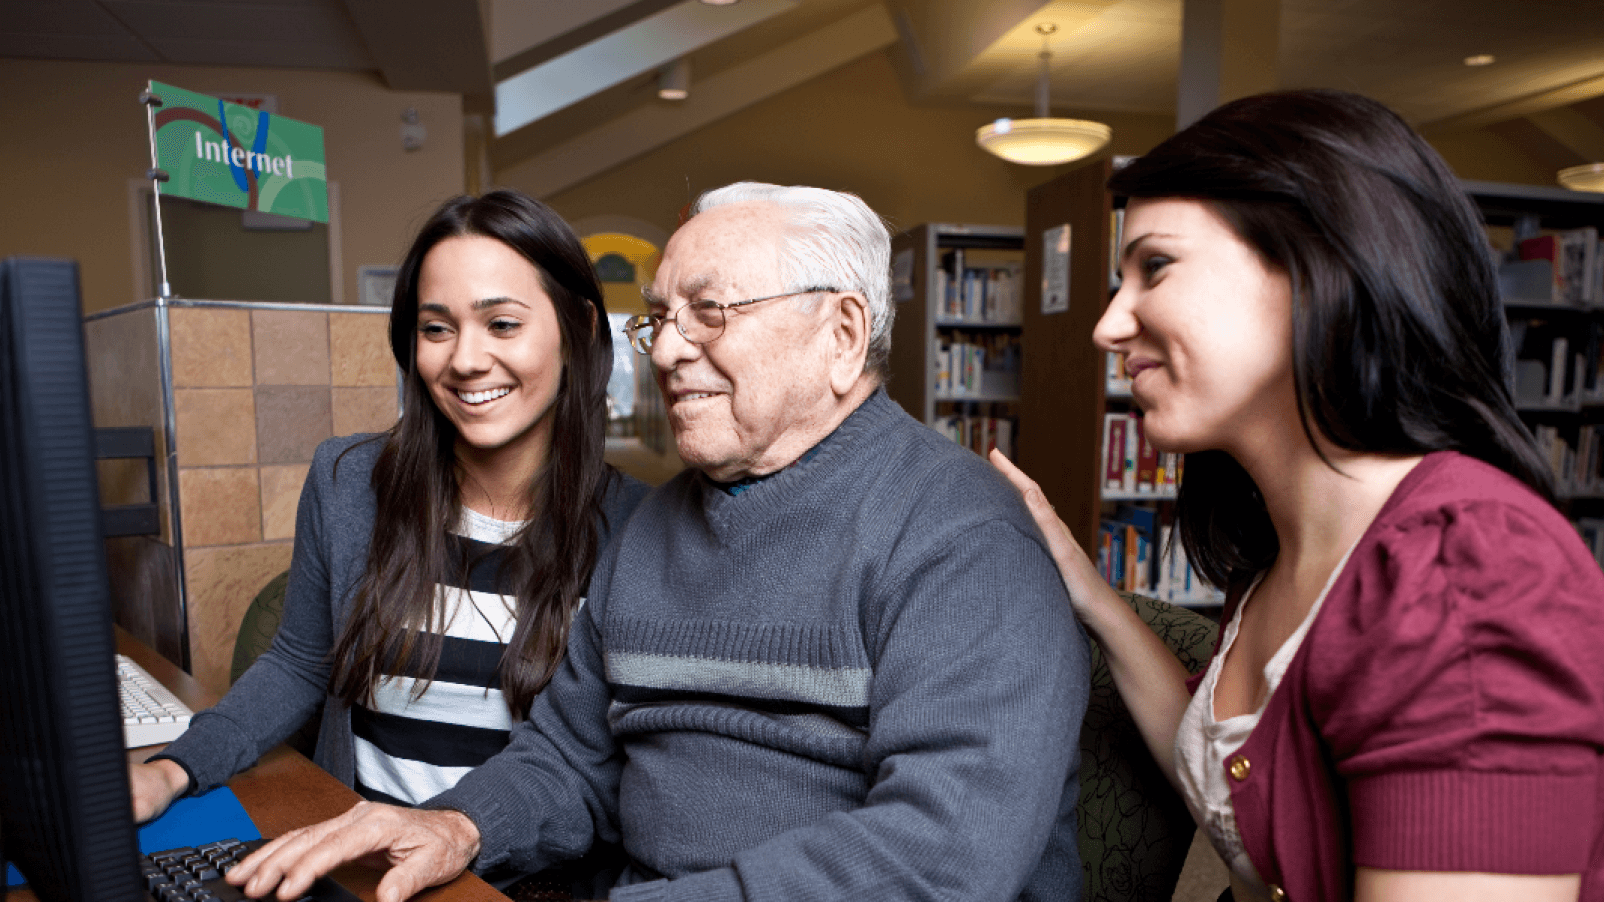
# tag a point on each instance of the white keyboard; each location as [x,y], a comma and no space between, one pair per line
[151,714]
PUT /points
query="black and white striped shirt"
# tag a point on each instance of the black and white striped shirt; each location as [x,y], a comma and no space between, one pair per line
[408,750]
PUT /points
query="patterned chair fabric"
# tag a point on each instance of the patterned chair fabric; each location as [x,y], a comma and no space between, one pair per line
[1135,830]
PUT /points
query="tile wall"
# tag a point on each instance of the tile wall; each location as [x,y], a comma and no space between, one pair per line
[254,393]
[255,389]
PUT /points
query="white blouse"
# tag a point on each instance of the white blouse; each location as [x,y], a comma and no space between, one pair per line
[1203,745]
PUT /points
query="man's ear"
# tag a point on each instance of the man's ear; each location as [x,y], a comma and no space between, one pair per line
[850,323]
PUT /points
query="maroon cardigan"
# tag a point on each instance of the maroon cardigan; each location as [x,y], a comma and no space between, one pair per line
[1446,709]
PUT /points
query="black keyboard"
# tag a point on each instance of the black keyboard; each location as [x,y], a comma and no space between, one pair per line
[196,875]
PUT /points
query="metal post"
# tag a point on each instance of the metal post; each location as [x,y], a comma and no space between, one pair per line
[156,176]
[1044,108]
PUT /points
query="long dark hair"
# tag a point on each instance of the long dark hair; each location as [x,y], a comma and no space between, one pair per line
[547,565]
[1399,340]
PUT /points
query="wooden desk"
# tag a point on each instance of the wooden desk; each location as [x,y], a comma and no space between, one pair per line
[285,790]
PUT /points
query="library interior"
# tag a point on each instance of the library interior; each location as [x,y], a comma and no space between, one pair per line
[223,342]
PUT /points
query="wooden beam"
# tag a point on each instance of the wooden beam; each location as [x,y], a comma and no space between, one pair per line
[578,37]
[1574,130]
[633,50]
[652,125]
[1585,89]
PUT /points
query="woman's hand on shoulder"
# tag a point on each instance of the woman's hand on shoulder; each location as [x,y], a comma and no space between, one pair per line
[153,786]
[1376,885]
[1086,586]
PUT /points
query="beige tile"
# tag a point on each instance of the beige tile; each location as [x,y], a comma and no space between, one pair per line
[281,493]
[220,506]
[292,347]
[211,348]
[364,409]
[125,385]
[220,584]
[215,426]
[359,349]
[290,422]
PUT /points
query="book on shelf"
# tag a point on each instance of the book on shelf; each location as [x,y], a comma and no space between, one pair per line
[1576,262]
[1137,553]
[1116,231]
[976,364]
[1551,371]
[1592,532]
[979,294]
[1576,464]
[1116,382]
[1130,463]
[979,432]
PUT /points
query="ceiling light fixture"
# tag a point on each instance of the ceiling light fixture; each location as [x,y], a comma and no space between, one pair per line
[1043,141]
[721,2]
[1481,59]
[1586,177]
[674,80]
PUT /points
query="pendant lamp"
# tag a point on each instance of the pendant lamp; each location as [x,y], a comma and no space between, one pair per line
[1586,177]
[1044,140]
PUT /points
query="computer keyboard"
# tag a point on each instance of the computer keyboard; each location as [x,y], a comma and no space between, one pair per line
[151,714]
[196,874]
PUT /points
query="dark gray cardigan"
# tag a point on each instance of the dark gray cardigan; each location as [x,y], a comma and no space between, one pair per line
[333,528]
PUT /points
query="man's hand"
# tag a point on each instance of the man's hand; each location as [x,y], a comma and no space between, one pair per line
[421,849]
[153,786]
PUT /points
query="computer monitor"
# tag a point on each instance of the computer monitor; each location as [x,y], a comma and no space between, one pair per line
[65,819]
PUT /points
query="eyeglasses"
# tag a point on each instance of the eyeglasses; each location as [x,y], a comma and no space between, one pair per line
[699,322]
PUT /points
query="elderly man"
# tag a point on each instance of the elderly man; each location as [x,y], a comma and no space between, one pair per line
[832,659]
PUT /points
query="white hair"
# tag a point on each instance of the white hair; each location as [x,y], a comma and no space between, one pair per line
[835,240]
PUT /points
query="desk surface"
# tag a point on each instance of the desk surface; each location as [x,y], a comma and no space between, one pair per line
[285,790]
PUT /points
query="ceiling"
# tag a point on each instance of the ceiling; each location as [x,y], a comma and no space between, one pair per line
[588,69]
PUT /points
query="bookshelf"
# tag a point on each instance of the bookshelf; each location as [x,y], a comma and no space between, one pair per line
[957,340]
[1070,392]
[1551,278]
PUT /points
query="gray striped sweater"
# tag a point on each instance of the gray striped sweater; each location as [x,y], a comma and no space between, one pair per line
[856,679]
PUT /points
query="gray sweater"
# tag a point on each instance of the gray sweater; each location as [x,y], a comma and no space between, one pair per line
[859,678]
[333,528]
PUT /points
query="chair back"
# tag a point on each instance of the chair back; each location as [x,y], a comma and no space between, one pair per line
[1135,831]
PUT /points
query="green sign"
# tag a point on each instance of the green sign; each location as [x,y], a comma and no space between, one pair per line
[224,153]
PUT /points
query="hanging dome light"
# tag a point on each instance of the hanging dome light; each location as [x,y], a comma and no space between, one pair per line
[1044,140]
[1586,177]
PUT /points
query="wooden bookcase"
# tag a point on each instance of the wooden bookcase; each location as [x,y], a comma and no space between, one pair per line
[1062,399]
[919,256]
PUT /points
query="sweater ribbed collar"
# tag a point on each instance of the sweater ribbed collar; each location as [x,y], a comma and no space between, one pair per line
[759,498]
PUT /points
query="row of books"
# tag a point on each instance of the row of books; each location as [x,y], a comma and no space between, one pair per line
[1136,553]
[1574,271]
[1557,363]
[1592,530]
[988,294]
[1131,463]
[1578,466]
[977,364]
[980,433]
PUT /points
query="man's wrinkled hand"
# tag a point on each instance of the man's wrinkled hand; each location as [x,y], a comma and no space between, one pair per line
[420,848]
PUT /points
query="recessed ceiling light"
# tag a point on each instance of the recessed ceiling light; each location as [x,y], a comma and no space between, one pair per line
[721,2]
[1480,59]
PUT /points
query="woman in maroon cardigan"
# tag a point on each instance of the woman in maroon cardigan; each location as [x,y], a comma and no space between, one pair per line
[1408,698]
